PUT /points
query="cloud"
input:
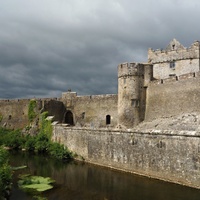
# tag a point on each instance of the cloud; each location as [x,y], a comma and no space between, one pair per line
[47,47]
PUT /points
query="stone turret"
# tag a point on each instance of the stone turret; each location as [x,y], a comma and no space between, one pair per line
[130,92]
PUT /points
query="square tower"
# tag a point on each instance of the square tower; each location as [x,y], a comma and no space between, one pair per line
[175,60]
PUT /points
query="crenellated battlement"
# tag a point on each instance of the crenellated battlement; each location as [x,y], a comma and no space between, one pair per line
[174,51]
[175,78]
[130,69]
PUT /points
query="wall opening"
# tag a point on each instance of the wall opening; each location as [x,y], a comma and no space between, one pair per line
[108,119]
[69,118]
[135,103]
[83,115]
[172,65]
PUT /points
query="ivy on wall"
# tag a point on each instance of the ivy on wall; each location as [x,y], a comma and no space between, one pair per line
[1,117]
[45,126]
[31,110]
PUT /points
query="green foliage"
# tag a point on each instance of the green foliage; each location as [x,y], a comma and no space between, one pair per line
[38,183]
[5,173]
[31,110]
[42,143]
[3,156]
[30,143]
[11,138]
[45,125]
[58,151]
[1,117]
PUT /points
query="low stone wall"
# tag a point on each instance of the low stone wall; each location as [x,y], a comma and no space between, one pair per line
[166,155]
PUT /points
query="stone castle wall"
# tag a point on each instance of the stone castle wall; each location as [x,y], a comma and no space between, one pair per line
[170,156]
[163,70]
[173,97]
[91,111]
[14,113]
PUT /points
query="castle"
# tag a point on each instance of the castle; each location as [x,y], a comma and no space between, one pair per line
[165,86]
[140,93]
[151,127]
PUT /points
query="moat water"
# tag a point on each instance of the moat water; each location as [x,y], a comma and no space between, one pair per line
[79,181]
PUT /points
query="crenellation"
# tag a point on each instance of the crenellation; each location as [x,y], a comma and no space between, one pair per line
[130,69]
[177,53]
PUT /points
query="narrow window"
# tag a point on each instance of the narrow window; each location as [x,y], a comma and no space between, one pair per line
[108,119]
[83,115]
[124,80]
[172,64]
[135,103]
[138,103]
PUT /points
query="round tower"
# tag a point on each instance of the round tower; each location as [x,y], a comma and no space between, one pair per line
[130,92]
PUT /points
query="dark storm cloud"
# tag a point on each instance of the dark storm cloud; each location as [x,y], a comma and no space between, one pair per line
[47,47]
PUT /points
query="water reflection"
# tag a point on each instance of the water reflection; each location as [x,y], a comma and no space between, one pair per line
[77,181]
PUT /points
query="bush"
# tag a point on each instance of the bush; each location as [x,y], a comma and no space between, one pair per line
[11,138]
[1,117]
[29,143]
[42,143]
[58,151]
[5,173]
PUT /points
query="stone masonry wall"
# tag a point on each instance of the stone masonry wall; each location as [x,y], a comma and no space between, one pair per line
[178,52]
[163,70]
[173,97]
[91,111]
[14,113]
[168,155]
[175,59]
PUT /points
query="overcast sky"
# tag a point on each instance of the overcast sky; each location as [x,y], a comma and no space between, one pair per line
[50,46]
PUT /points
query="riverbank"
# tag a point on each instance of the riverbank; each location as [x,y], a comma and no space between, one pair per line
[169,155]
[78,180]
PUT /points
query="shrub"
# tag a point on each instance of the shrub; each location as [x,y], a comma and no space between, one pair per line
[5,173]
[14,139]
[1,117]
[11,138]
[30,143]
[58,151]
[42,143]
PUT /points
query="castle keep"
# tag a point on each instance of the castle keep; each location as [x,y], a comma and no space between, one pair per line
[141,87]
[151,127]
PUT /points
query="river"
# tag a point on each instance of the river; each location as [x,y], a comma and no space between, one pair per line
[80,181]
